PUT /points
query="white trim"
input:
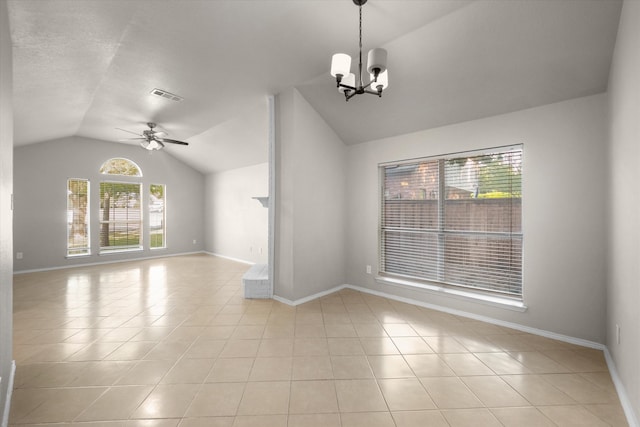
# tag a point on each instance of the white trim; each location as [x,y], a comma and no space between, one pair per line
[310,297]
[516,326]
[622,392]
[7,402]
[271,106]
[468,153]
[243,261]
[62,267]
[87,255]
[492,300]
[120,251]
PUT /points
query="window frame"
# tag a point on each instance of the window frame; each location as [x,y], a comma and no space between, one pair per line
[163,226]
[86,250]
[439,285]
[133,166]
[130,174]
[104,250]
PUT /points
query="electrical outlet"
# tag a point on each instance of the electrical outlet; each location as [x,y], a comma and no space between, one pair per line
[368,269]
[618,334]
[195,241]
[19,255]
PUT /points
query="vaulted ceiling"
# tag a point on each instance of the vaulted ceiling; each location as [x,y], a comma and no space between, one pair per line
[87,67]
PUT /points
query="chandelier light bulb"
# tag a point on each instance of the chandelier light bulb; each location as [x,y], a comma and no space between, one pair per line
[347,80]
[377,59]
[340,64]
[382,82]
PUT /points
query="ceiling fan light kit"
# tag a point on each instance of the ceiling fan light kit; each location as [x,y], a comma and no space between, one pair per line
[347,82]
[151,145]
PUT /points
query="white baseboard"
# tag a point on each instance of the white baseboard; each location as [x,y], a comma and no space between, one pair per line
[243,261]
[622,392]
[89,264]
[516,326]
[309,298]
[7,402]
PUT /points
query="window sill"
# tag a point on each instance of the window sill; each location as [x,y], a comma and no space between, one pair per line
[495,301]
[120,251]
[78,256]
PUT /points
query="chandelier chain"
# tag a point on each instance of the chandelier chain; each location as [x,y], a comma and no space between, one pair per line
[360,47]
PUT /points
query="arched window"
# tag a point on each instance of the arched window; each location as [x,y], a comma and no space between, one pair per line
[123,204]
[120,166]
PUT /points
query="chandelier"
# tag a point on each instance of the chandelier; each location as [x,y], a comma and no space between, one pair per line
[376,67]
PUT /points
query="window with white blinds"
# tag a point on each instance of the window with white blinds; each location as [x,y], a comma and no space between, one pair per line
[120,216]
[455,220]
[78,235]
[157,215]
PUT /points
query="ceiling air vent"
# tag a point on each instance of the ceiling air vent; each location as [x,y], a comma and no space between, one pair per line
[167,95]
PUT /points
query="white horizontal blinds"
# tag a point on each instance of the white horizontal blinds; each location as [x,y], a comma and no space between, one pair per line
[78,242]
[157,216]
[482,227]
[120,216]
[410,219]
[461,227]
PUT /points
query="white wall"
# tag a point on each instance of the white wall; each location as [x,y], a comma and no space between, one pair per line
[6,188]
[310,205]
[236,225]
[564,189]
[623,291]
[40,175]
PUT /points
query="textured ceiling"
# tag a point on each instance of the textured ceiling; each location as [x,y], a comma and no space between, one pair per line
[86,67]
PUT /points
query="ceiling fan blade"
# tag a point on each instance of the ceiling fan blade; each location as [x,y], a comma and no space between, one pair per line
[173,141]
[131,139]
[124,130]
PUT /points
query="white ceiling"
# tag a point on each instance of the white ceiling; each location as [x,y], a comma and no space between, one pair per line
[86,67]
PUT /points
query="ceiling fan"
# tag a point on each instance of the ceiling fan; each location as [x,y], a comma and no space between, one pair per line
[151,139]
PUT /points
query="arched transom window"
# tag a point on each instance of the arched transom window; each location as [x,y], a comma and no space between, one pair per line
[120,166]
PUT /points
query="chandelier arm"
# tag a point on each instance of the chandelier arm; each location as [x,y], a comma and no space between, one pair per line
[347,86]
[370,83]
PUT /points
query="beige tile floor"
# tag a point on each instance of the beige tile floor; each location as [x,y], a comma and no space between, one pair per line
[172,342]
